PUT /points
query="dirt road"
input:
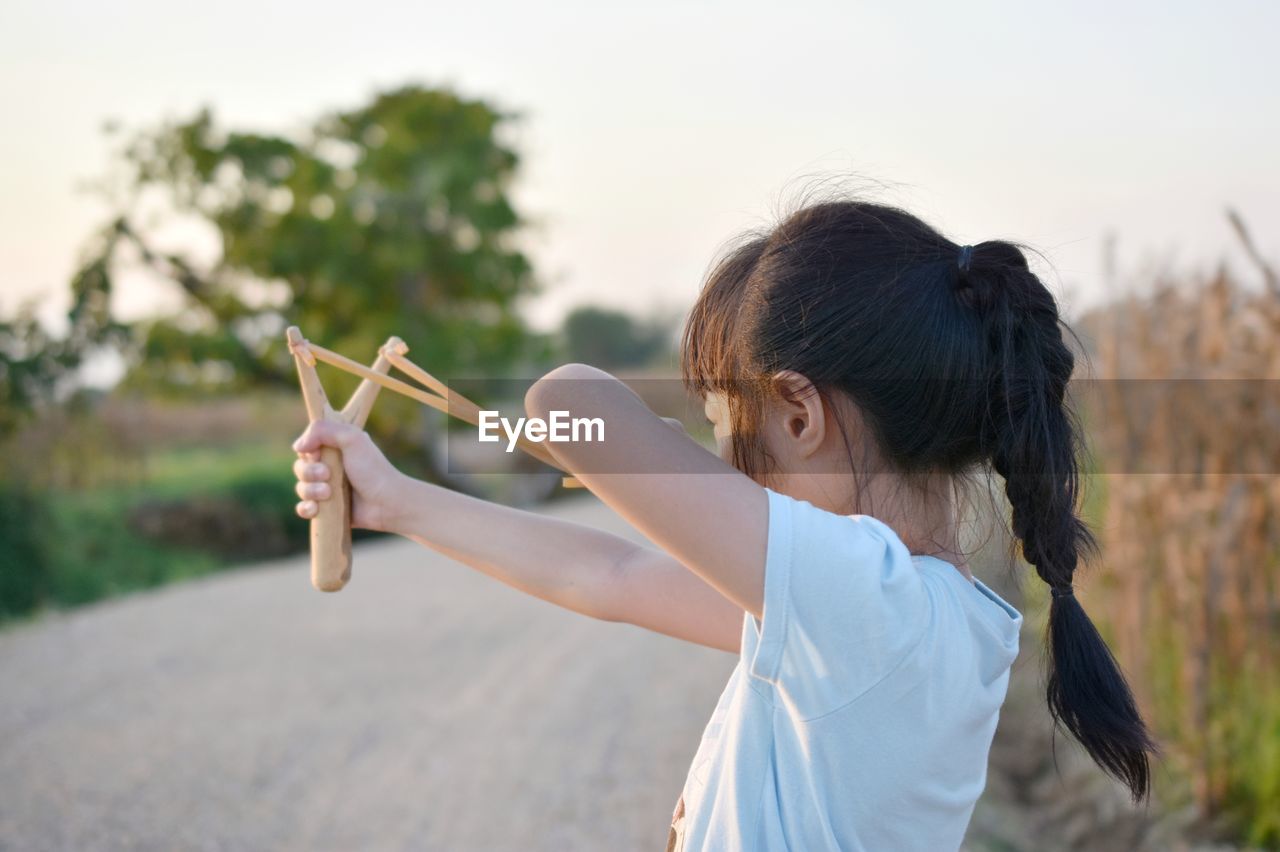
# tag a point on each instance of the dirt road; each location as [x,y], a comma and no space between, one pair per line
[425,707]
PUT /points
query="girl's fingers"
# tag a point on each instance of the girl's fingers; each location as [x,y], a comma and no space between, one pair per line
[310,471]
[307,509]
[312,490]
[326,433]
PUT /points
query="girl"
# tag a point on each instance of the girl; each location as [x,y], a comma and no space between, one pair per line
[856,365]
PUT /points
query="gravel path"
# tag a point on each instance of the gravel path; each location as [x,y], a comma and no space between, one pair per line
[424,707]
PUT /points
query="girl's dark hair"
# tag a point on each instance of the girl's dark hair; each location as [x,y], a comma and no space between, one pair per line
[955,359]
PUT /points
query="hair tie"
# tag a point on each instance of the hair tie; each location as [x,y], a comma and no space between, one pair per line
[966,255]
[1061,591]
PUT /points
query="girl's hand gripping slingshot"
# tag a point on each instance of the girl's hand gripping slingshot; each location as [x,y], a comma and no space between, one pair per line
[331,525]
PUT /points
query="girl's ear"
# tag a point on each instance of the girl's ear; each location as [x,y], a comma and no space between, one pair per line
[804,421]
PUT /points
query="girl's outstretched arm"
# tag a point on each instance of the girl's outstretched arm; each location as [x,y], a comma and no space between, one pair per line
[705,513]
[571,565]
[574,566]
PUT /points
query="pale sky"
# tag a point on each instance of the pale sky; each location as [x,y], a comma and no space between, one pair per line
[654,131]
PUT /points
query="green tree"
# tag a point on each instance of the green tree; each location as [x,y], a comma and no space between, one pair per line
[392,218]
[611,339]
[38,369]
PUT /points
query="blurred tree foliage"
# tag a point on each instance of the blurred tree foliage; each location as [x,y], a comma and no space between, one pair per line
[612,339]
[36,368]
[37,371]
[392,218]
[30,366]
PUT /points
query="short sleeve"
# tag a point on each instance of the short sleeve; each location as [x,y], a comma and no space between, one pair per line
[843,605]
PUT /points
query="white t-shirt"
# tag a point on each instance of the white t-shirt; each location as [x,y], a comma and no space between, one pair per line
[861,712]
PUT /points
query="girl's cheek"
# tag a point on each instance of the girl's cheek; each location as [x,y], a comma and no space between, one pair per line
[721,430]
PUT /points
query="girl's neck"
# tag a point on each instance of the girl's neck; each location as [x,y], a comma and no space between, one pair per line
[922,514]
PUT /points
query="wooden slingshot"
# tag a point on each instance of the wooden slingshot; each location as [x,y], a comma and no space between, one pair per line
[331,527]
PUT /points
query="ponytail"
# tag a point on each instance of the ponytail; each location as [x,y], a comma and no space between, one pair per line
[856,296]
[1033,442]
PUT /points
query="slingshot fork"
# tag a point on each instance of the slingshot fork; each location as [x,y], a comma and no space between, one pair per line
[331,527]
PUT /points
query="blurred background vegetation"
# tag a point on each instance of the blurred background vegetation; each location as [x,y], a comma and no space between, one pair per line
[395,218]
[1190,514]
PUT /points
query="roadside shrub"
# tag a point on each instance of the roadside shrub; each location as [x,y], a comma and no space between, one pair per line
[24,565]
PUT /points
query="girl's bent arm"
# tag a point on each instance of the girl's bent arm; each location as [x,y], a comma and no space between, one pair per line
[709,516]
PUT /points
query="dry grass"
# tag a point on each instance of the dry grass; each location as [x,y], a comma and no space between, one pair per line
[1191,529]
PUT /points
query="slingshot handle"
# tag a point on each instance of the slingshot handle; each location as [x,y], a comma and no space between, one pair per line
[331,529]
